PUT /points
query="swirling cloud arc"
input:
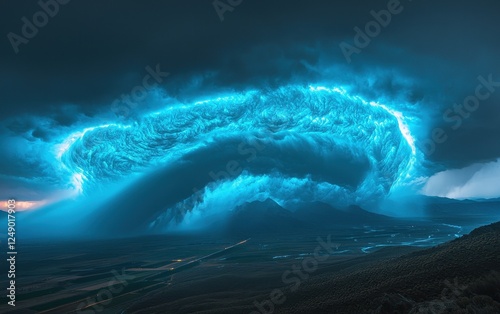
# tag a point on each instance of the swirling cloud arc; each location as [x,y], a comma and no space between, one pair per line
[325,121]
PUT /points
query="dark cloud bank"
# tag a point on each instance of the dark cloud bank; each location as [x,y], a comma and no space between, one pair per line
[89,53]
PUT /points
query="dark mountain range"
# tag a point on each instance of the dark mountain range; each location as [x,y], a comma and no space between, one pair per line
[461,276]
[269,217]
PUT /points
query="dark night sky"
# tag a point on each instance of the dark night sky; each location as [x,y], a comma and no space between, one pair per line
[93,51]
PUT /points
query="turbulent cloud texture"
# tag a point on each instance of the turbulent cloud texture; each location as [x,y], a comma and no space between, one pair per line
[270,73]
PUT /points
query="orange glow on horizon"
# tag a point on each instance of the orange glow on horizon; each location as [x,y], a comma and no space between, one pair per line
[23,205]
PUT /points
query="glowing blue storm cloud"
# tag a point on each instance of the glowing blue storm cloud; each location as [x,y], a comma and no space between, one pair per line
[316,127]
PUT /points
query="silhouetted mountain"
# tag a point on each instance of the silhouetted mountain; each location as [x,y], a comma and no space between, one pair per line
[262,217]
[269,217]
[321,214]
[461,211]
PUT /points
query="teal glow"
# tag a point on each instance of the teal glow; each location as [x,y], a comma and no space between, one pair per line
[109,153]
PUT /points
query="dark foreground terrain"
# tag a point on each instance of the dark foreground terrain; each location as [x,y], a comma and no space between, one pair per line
[378,266]
[462,276]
